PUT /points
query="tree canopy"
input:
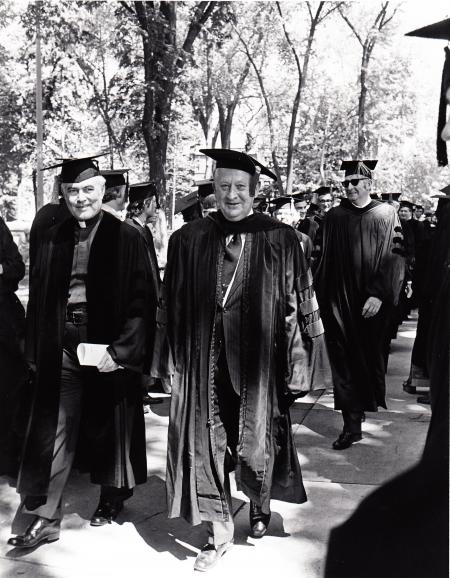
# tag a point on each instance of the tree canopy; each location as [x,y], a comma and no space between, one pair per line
[301,85]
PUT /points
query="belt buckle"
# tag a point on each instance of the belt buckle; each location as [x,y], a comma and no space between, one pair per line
[76,316]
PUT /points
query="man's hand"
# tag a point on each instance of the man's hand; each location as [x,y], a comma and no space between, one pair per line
[107,363]
[371,307]
[1,269]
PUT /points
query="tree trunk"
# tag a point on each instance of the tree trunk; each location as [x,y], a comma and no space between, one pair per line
[159,87]
[163,63]
[302,74]
[276,165]
[361,146]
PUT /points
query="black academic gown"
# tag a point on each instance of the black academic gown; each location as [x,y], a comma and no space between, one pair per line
[47,216]
[112,421]
[309,227]
[13,369]
[153,285]
[280,343]
[361,257]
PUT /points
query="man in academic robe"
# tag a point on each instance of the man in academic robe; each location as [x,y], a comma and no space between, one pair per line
[285,212]
[88,285]
[358,281]
[143,207]
[246,338]
[305,224]
[115,198]
[325,200]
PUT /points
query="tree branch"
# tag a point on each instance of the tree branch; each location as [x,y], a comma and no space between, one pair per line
[127,7]
[336,6]
[350,25]
[202,13]
[291,45]
[386,22]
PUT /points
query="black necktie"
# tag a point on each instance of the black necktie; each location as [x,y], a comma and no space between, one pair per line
[230,261]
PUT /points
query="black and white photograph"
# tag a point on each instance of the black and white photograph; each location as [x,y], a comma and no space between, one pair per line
[224,288]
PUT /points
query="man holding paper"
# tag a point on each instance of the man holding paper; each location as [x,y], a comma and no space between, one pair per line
[89,286]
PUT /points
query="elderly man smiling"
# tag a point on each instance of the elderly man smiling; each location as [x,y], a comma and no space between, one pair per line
[88,286]
[244,333]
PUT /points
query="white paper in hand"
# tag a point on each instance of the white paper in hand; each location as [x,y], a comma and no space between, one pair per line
[90,353]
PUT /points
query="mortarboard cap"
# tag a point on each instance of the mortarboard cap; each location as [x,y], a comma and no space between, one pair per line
[78,168]
[416,206]
[141,191]
[260,200]
[439,30]
[324,191]
[116,177]
[408,204]
[313,208]
[359,168]
[229,159]
[186,202]
[279,202]
[299,197]
[443,194]
[390,196]
[204,188]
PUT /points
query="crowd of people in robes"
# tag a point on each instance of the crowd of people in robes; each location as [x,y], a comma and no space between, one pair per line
[322,279]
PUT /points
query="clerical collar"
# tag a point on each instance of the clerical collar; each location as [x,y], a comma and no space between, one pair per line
[89,223]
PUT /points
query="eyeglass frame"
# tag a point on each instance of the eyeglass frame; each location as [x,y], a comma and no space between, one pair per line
[353,182]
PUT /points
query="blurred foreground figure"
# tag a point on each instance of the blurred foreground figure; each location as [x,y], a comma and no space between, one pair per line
[13,369]
[88,286]
[246,339]
[358,281]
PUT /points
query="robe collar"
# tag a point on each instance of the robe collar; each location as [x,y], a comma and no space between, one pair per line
[251,224]
[346,204]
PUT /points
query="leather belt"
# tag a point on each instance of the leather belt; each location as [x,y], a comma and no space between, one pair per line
[77,314]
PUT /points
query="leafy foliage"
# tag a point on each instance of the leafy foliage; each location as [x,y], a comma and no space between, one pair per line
[156,81]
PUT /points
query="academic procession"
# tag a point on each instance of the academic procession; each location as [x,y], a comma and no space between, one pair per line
[224,337]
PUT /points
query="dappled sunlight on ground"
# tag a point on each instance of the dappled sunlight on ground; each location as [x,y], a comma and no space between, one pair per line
[143,542]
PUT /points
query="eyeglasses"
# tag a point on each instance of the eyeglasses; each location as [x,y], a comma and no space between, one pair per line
[354,182]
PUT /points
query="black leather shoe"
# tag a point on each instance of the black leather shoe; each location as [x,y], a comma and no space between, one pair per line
[345,440]
[425,399]
[209,555]
[106,512]
[40,530]
[258,521]
[408,388]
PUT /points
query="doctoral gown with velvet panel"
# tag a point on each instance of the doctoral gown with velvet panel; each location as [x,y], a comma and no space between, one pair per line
[282,355]
[362,257]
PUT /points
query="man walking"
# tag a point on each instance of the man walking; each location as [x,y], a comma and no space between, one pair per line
[245,336]
[142,208]
[358,280]
[88,287]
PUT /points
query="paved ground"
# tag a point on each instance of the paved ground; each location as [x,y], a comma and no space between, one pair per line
[143,542]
